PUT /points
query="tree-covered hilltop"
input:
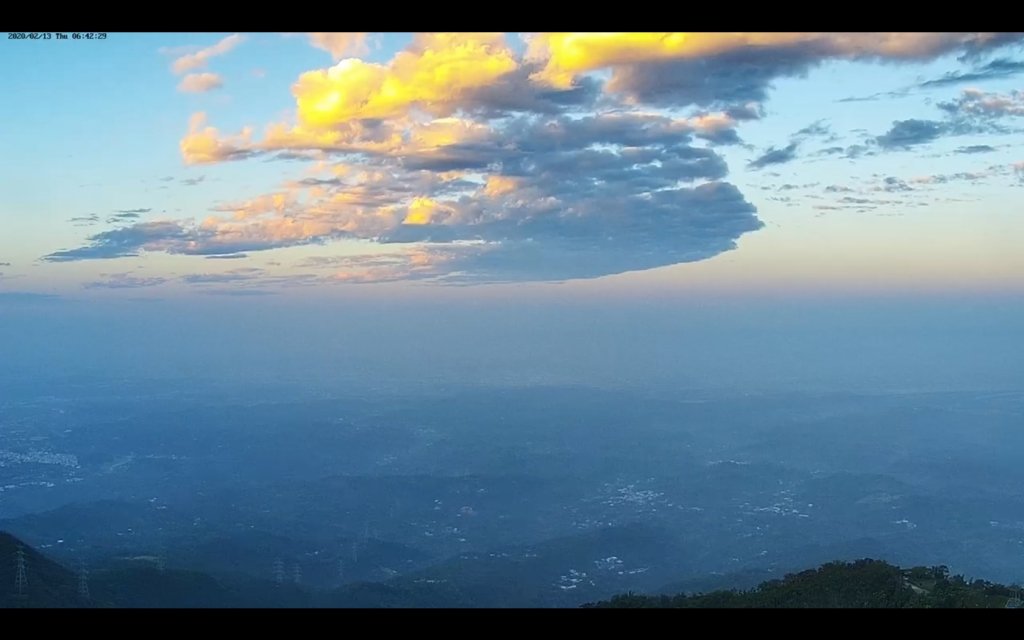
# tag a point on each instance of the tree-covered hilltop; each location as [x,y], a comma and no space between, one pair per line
[860,584]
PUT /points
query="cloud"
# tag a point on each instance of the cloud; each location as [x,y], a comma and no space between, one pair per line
[124,242]
[418,263]
[471,160]
[1018,168]
[238,292]
[680,226]
[438,71]
[996,69]
[191,182]
[897,93]
[249,277]
[199,59]
[126,215]
[993,70]
[238,275]
[774,156]
[975,148]
[340,45]
[893,184]
[908,133]
[706,68]
[979,104]
[212,237]
[85,221]
[124,281]
[857,150]
[608,193]
[5,264]
[970,176]
[200,82]
[204,145]
[818,128]
[228,256]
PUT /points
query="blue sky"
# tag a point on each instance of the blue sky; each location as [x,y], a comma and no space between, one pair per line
[172,165]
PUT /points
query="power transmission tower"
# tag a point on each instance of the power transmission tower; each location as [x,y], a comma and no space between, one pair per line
[21,576]
[355,551]
[1015,602]
[297,574]
[341,569]
[83,581]
[279,571]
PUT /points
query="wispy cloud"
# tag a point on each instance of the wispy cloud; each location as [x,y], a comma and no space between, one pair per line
[908,133]
[893,184]
[774,156]
[969,176]
[818,128]
[993,70]
[126,215]
[124,281]
[340,45]
[200,58]
[123,242]
[85,221]
[975,148]
[979,104]
[200,82]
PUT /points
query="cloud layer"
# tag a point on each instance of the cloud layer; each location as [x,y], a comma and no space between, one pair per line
[581,156]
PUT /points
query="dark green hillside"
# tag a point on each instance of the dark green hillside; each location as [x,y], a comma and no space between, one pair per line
[861,584]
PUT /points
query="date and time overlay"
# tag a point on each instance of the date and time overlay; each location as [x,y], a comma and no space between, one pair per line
[56,35]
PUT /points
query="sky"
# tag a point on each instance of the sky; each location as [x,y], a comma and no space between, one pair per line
[604,165]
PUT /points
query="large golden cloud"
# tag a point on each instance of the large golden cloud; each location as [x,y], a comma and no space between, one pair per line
[432,75]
